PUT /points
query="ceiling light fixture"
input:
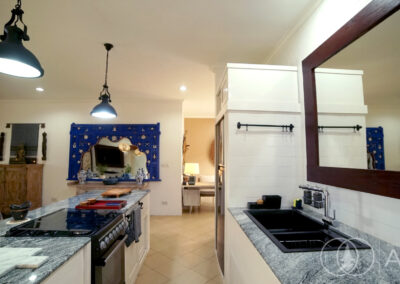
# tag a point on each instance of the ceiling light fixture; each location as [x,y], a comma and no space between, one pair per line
[104,109]
[39,89]
[15,59]
[183,88]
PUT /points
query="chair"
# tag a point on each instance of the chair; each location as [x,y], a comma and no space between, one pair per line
[191,197]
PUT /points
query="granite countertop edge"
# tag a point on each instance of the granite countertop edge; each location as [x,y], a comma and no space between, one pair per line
[307,267]
[67,247]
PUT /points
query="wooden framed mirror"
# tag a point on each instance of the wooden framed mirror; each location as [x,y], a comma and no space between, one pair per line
[331,75]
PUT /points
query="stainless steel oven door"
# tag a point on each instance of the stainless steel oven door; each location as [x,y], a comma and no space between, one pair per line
[110,269]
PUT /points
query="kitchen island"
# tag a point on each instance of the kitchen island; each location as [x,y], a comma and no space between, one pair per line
[63,250]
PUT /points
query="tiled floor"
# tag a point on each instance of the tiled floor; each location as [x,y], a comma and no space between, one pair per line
[182,249]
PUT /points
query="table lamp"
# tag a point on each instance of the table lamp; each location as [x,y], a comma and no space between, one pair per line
[191,169]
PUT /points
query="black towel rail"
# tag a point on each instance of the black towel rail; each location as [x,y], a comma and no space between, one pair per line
[355,127]
[284,127]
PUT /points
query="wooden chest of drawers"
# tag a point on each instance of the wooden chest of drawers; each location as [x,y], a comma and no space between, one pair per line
[20,183]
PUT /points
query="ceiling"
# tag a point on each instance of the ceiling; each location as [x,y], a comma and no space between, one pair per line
[159,45]
[377,54]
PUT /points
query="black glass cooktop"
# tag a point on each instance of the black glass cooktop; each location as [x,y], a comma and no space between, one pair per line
[66,222]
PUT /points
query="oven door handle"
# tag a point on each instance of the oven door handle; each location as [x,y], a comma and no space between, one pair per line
[103,261]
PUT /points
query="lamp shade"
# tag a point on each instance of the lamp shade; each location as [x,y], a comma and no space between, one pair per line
[191,169]
[104,109]
[15,59]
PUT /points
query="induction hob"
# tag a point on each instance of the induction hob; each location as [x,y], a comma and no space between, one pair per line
[68,223]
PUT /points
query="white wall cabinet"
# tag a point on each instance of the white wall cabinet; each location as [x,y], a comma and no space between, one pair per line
[136,252]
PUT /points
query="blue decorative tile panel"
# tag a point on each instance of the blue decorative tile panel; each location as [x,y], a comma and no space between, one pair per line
[375,146]
[145,136]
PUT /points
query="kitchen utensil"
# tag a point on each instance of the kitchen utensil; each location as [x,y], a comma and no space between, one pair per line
[116,192]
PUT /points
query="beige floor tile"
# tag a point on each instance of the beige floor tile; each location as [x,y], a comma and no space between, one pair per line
[189,277]
[145,269]
[215,280]
[175,252]
[182,249]
[151,252]
[191,260]
[155,260]
[205,252]
[171,269]
[158,245]
[208,269]
[151,277]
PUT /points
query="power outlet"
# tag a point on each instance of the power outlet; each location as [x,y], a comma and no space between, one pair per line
[164,202]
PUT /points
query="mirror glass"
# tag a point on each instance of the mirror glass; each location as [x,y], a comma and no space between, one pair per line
[358,98]
[113,159]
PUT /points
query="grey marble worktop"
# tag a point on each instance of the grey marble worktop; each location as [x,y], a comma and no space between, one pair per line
[59,249]
[377,265]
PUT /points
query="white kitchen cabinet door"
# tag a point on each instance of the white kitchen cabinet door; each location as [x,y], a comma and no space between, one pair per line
[136,252]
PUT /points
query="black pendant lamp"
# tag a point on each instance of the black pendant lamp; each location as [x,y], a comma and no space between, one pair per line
[15,59]
[104,109]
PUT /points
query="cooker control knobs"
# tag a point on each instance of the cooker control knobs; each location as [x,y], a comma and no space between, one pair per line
[107,240]
[103,245]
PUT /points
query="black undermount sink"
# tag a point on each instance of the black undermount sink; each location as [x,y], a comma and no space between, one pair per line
[291,231]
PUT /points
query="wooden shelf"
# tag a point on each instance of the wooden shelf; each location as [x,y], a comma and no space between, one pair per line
[96,185]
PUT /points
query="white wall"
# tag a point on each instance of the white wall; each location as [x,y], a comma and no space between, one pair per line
[262,160]
[58,116]
[373,214]
[326,20]
[340,99]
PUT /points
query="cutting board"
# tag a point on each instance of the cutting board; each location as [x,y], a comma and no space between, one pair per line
[116,192]
[11,258]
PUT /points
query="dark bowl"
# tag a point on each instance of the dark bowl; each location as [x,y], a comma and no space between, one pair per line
[110,181]
[25,205]
[19,214]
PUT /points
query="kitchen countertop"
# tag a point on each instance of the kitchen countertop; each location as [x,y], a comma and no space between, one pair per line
[59,249]
[378,265]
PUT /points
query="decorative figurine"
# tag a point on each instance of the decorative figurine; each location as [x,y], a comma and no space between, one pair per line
[82,175]
[90,174]
[20,159]
[140,176]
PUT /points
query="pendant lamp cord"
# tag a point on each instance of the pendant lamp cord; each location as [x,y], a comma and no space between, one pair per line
[105,91]
[105,79]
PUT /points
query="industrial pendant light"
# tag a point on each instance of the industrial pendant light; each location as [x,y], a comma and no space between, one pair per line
[104,109]
[15,59]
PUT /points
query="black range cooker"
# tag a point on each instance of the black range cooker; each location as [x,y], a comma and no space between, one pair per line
[105,228]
